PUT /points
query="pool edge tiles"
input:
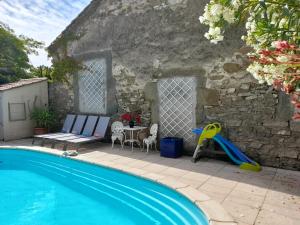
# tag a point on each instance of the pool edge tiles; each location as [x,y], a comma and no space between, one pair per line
[213,210]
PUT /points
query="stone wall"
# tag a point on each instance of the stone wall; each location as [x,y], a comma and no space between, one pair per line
[255,117]
[153,39]
[61,99]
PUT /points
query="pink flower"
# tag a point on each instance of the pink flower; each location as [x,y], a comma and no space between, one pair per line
[265,52]
[295,100]
[264,60]
[277,84]
[288,88]
[296,116]
[252,58]
[281,45]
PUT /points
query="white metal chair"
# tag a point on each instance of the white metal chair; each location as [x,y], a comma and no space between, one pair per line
[117,130]
[152,139]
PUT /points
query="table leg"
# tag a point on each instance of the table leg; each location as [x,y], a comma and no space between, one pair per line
[132,142]
[137,137]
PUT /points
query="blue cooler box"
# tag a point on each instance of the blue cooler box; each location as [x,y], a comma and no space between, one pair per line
[171,147]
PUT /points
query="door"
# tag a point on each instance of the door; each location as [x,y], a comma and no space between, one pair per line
[177,97]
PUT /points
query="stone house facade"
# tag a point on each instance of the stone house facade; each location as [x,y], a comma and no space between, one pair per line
[151,56]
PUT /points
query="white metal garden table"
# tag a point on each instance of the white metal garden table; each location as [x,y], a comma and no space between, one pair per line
[132,138]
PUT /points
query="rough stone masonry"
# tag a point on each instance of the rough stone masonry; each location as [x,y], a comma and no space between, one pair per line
[153,39]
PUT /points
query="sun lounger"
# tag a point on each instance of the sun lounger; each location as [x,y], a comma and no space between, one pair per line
[88,130]
[99,134]
[76,130]
[67,127]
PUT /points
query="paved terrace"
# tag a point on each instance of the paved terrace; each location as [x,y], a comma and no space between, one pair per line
[270,197]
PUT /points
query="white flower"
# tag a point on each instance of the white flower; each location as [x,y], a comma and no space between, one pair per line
[217,39]
[255,46]
[214,42]
[213,19]
[248,25]
[255,69]
[236,4]
[269,80]
[202,19]
[282,59]
[220,38]
[216,10]
[207,36]
[273,44]
[274,18]
[270,69]
[282,23]
[213,31]
[253,26]
[214,35]
[206,8]
[262,38]
[228,15]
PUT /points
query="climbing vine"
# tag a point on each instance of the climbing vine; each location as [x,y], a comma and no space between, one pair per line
[63,65]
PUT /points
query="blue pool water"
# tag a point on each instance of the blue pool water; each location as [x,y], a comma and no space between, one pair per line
[43,189]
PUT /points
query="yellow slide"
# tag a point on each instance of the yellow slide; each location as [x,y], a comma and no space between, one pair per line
[211,131]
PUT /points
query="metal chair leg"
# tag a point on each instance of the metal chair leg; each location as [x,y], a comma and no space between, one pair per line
[122,142]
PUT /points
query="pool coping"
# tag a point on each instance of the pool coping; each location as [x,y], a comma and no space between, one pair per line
[213,210]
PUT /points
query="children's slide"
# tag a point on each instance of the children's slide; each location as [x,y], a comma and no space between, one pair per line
[211,131]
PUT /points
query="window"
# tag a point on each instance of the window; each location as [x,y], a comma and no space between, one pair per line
[92,88]
[17,111]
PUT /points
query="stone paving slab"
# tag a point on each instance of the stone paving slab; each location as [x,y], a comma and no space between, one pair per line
[270,197]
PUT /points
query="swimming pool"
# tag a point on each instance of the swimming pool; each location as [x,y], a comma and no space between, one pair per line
[44,189]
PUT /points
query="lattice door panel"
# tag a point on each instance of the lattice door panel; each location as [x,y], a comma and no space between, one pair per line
[177,107]
[92,87]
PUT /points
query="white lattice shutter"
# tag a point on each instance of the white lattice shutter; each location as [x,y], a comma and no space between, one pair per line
[92,87]
[177,107]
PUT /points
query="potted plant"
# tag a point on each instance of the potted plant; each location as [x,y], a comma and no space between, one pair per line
[133,118]
[44,119]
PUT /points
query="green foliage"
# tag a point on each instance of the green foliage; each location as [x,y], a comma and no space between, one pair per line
[14,50]
[42,71]
[43,117]
[63,66]
[275,20]
[59,71]
[266,20]
[4,79]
